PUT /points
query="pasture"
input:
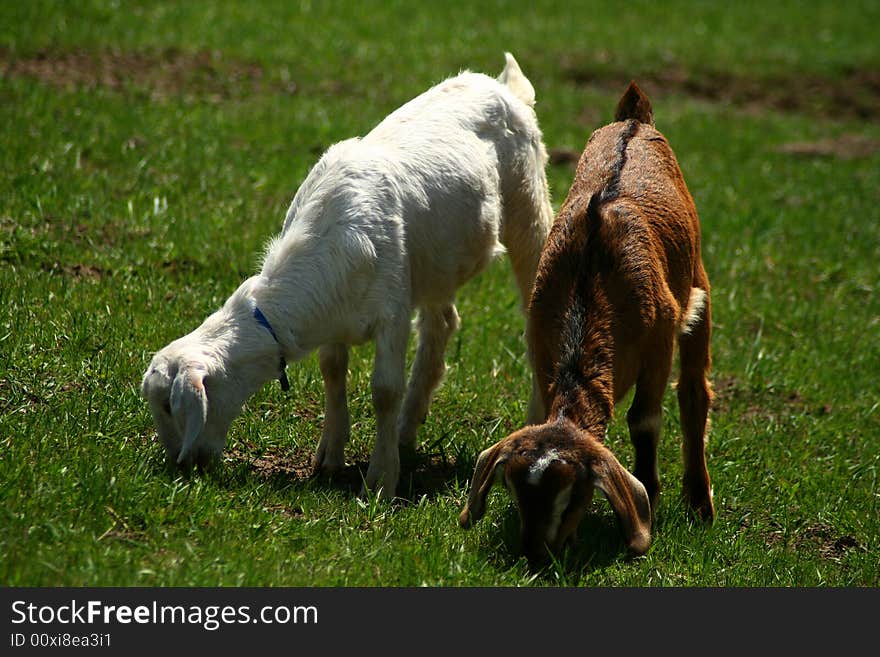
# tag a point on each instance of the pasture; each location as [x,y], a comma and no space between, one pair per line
[150,151]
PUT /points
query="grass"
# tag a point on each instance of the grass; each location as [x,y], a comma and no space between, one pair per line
[150,151]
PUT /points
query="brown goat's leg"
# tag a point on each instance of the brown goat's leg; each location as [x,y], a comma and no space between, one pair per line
[645,418]
[694,398]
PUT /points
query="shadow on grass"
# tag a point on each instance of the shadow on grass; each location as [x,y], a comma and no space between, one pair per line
[422,474]
[598,545]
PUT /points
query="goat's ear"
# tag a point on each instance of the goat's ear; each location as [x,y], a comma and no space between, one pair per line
[189,407]
[628,498]
[634,104]
[485,474]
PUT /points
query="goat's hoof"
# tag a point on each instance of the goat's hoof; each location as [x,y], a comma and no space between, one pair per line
[702,509]
[705,512]
[384,472]
[408,452]
[326,468]
[379,485]
[381,493]
[698,496]
[328,459]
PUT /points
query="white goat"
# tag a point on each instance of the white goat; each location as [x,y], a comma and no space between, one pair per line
[383,225]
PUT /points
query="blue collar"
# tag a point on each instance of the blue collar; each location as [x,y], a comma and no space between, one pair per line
[262,321]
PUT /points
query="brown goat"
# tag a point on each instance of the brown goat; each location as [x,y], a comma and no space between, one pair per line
[620,278]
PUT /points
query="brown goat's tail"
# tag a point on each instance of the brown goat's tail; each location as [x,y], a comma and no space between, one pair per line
[634,104]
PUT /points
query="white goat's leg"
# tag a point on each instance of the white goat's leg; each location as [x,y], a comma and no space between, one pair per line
[435,324]
[330,455]
[525,225]
[389,376]
[524,248]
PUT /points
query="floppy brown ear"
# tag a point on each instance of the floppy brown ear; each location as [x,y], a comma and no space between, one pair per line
[189,407]
[628,498]
[485,474]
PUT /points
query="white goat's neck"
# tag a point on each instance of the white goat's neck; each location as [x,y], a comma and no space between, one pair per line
[233,345]
[304,288]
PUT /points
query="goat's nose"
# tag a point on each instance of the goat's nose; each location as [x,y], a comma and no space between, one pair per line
[536,551]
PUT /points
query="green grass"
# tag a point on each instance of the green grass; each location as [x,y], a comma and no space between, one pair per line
[150,151]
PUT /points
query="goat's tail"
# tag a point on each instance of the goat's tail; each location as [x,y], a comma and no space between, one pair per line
[513,77]
[634,104]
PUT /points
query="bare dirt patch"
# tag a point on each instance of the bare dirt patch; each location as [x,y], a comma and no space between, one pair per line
[730,395]
[845,147]
[76,271]
[81,271]
[15,392]
[285,510]
[273,464]
[854,94]
[818,536]
[421,473]
[830,544]
[562,155]
[125,529]
[162,74]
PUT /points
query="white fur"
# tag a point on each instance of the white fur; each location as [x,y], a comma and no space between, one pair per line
[383,225]
[694,311]
[560,504]
[537,469]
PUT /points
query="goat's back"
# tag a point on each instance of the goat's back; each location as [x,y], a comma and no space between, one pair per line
[649,213]
[630,256]
[444,172]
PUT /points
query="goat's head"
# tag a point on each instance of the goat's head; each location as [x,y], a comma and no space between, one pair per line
[551,470]
[192,403]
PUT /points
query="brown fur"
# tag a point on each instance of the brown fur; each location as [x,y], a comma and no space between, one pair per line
[610,301]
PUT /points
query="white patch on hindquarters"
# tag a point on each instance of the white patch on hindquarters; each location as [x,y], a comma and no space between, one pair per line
[536,471]
[694,313]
